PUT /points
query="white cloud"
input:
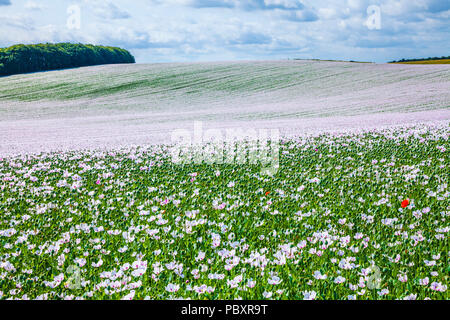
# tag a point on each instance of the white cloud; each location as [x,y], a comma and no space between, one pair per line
[108,10]
[31,5]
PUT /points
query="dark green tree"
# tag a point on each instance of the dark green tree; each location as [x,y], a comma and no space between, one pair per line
[43,57]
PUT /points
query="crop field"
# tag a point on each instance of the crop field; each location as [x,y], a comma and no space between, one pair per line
[278,88]
[93,206]
[441,61]
[340,211]
[119,105]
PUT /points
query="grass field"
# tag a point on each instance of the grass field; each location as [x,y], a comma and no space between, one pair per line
[93,206]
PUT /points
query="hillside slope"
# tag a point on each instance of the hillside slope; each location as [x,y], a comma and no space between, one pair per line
[141,100]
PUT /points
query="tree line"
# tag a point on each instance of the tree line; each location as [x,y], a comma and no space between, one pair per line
[43,57]
[423,59]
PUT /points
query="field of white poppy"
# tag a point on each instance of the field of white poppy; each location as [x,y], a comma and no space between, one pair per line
[361,216]
[133,104]
[354,211]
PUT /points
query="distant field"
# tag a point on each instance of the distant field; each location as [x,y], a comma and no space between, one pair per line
[232,90]
[122,104]
[443,61]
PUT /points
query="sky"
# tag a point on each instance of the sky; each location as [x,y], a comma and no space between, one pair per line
[211,30]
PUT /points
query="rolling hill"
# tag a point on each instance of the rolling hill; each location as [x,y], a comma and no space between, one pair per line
[143,102]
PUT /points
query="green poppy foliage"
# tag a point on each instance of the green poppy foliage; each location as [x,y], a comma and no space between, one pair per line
[131,224]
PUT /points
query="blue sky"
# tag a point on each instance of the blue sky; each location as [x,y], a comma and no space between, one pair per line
[211,30]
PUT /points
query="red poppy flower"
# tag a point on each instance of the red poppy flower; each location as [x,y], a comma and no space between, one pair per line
[267,193]
[405,203]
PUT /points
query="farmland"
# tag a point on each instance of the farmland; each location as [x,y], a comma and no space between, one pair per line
[138,226]
[120,105]
[92,205]
[442,61]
